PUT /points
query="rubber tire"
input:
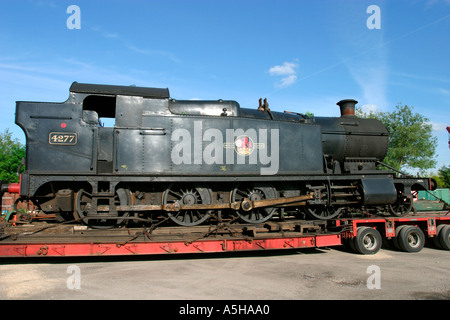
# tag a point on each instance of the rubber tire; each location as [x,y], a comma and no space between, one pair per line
[397,233]
[435,239]
[362,234]
[403,239]
[442,238]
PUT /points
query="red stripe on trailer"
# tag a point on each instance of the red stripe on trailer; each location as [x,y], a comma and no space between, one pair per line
[148,248]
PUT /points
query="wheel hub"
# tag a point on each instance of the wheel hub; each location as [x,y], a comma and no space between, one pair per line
[255,195]
[189,199]
[414,240]
[369,242]
[248,193]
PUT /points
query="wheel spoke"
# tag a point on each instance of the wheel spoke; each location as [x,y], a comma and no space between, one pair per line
[402,207]
[84,205]
[243,193]
[188,196]
[322,211]
[177,195]
[254,193]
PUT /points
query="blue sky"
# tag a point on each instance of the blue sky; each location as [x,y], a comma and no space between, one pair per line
[301,55]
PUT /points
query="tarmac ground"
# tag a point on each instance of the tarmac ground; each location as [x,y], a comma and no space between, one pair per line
[310,274]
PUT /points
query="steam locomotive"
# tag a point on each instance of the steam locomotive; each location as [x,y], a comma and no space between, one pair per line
[115,155]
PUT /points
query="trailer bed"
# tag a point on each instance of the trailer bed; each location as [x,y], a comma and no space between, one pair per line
[363,235]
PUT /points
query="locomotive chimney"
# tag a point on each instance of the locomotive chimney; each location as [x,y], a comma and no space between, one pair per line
[347,107]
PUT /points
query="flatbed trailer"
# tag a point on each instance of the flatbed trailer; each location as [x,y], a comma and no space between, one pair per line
[363,235]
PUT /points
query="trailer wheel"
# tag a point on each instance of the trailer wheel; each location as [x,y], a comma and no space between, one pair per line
[367,241]
[411,239]
[397,234]
[435,239]
[442,238]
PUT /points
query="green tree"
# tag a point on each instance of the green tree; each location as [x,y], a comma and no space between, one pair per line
[411,143]
[11,154]
[436,177]
[444,175]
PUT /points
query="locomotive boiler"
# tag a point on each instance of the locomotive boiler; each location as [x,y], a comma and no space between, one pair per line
[117,155]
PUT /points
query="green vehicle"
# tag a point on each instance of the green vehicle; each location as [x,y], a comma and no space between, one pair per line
[436,200]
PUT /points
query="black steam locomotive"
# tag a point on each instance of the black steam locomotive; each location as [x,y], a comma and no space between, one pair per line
[112,155]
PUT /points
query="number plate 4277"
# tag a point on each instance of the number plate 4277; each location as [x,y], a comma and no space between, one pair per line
[62,138]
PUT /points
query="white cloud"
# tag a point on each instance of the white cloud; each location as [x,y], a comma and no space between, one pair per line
[287,69]
[369,108]
[444,91]
[106,34]
[372,82]
[287,81]
[431,3]
[116,37]
[438,126]
[163,53]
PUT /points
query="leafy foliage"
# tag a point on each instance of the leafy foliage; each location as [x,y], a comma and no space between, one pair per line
[444,176]
[11,154]
[411,143]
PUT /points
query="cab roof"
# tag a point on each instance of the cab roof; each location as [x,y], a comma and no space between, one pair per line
[145,92]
